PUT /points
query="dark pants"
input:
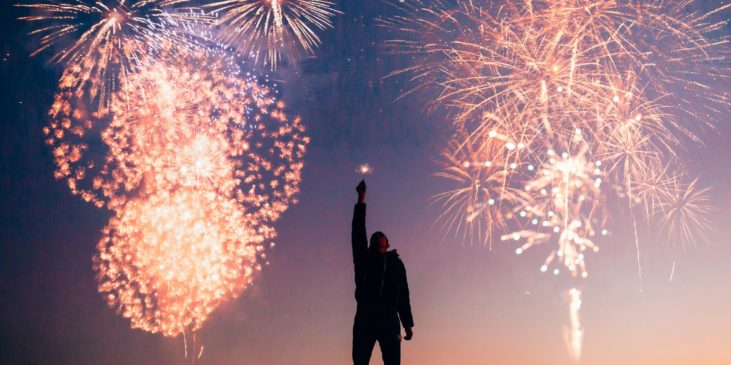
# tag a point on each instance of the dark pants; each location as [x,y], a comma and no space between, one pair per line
[374,324]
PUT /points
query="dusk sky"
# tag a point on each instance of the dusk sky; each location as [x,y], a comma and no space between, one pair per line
[471,304]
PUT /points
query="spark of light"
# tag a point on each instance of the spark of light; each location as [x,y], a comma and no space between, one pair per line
[565,201]
[364,169]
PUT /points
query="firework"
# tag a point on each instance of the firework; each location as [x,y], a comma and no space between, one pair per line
[542,70]
[157,123]
[197,162]
[267,29]
[168,260]
[565,206]
[686,212]
[478,54]
[170,119]
[99,43]
[604,96]
[482,168]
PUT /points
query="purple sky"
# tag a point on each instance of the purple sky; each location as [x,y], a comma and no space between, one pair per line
[471,305]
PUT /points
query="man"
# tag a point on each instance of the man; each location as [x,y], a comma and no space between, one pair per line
[381,291]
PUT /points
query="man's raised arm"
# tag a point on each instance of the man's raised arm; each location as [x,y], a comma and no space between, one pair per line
[358,235]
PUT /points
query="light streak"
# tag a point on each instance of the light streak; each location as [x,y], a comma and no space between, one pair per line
[574,334]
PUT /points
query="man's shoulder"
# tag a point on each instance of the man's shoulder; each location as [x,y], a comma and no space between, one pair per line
[394,257]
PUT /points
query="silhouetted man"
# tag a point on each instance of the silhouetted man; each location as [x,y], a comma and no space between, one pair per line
[382,293]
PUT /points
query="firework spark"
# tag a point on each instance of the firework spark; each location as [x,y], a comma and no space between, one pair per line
[564,204]
[686,213]
[482,170]
[99,43]
[269,29]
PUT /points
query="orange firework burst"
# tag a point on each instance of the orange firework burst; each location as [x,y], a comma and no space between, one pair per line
[168,259]
[167,120]
[197,164]
[478,54]
[544,70]
[619,87]
[266,29]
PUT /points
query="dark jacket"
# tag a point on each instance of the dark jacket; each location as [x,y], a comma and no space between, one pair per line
[380,280]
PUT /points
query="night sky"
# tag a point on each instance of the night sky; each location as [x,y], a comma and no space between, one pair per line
[471,305]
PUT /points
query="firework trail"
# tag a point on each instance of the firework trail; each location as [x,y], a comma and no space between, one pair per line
[574,334]
[604,98]
[270,30]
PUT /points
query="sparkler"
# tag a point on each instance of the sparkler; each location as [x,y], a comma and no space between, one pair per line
[364,169]
[269,29]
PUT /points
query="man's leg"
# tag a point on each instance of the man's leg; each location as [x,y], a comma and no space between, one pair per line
[364,339]
[390,344]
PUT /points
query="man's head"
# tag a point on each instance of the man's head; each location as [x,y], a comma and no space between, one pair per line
[379,242]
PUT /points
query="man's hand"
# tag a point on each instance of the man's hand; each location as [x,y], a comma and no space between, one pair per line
[361,189]
[409,333]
